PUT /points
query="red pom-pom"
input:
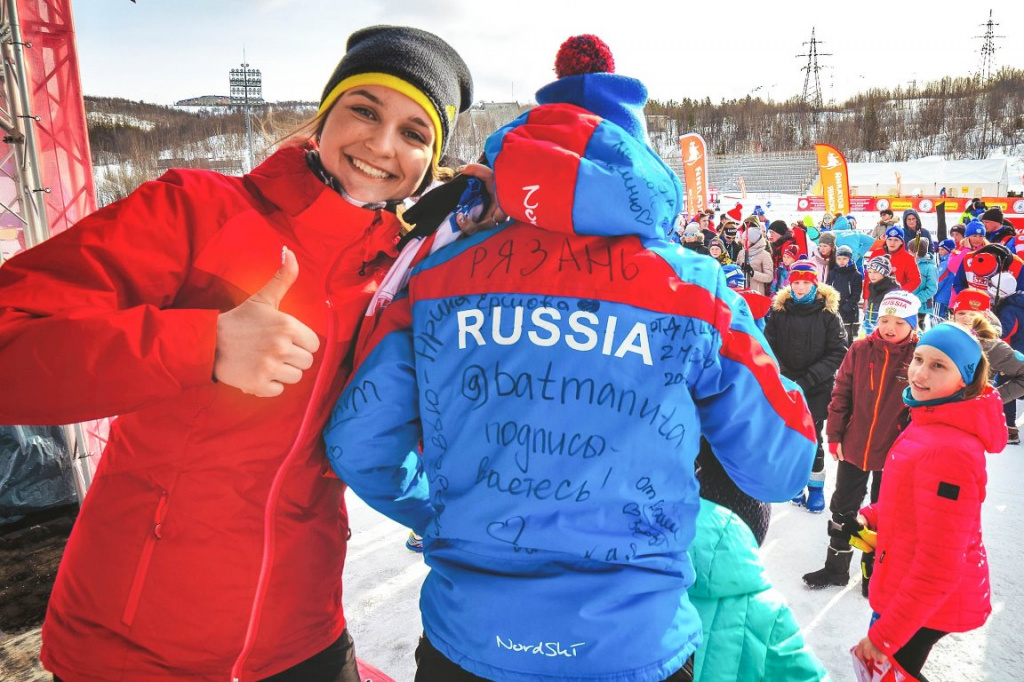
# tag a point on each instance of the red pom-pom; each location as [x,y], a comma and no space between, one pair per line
[584,54]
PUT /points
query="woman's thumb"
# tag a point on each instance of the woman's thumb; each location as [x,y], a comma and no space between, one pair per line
[273,292]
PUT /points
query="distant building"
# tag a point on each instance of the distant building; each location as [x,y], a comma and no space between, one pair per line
[204,101]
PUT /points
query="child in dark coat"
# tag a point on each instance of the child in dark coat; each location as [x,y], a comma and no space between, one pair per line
[864,418]
[809,341]
[846,279]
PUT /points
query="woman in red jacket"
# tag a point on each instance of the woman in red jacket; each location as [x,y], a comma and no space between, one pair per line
[212,542]
[931,574]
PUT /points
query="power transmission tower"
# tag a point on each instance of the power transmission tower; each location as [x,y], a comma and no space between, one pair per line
[987,67]
[812,92]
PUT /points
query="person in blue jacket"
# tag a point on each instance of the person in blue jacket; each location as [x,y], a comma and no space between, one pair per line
[925,292]
[944,278]
[559,371]
[859,242]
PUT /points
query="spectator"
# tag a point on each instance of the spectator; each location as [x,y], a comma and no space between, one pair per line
[935,479]
[560,534]
[929,277]
[865,415]
[847,280]
[809,341]
[211,545]
[756,260]
[904,265]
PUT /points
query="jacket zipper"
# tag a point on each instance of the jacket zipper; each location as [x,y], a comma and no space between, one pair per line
[878,400]
[135,592]
[270,509]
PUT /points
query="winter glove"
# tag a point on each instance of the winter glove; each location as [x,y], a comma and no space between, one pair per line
[846,527]
[747,268]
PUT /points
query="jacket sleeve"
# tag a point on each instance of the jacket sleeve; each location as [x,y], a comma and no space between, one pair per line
[374,429]
[770,451]
[840,407]
[911,275]
[857,291]
[87,327]
[870,514]
[929,284]
[960,279]
[763,269]
[825,367]
[788,657]
[947,501]
[771,335]
[1008,363]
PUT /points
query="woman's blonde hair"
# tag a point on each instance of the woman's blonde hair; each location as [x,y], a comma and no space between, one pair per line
[983,328]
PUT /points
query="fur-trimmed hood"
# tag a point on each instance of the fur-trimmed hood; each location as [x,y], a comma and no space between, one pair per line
[826,293]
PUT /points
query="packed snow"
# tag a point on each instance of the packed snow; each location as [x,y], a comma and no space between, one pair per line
[382,578]
[382,581]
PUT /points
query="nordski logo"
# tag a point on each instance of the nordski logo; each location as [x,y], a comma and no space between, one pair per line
[549,649]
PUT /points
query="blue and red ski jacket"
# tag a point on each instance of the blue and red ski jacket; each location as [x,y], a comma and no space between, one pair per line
[533,404]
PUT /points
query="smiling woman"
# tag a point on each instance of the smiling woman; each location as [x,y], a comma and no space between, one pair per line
[215,541]
[377,143]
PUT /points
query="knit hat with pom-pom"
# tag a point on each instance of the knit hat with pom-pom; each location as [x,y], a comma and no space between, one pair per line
[586,77]
[736,213]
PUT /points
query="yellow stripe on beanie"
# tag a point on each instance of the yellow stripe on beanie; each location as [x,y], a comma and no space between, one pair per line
[398,85]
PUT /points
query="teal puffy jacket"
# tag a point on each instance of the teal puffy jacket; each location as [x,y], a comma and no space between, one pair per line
[749,631]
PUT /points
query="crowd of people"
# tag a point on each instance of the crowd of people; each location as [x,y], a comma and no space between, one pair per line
[528,366]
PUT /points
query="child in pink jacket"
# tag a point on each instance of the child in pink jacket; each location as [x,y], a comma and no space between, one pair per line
[931,572]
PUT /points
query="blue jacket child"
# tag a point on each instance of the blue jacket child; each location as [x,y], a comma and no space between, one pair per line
[944,278]
[929,274]
[559,371]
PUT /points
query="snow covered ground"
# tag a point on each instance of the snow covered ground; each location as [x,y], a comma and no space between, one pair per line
[382,581]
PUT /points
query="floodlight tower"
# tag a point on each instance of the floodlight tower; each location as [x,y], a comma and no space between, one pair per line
[812,93]
[246,91]
[987,67]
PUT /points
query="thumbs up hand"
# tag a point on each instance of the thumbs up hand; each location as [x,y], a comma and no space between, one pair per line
[259,348]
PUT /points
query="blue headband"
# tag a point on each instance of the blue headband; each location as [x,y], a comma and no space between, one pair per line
[961,347]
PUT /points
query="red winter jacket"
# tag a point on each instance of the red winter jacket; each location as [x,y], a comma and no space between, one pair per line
[867,409]
[212,542]
[904,269]
[931,569]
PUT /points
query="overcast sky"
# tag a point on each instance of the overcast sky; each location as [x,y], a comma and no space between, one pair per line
[165,50]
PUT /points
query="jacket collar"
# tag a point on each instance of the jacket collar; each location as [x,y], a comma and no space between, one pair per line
[981,417]
[285,180]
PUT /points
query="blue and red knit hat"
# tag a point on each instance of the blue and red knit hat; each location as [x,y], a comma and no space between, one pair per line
[803,270]
[586,77]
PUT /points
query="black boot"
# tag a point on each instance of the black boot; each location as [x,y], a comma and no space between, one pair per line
[836,572]
[867,565]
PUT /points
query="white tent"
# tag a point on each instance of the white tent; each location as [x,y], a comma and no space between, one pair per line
[926,177]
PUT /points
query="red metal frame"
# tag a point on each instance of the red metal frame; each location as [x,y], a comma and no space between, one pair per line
[56,98]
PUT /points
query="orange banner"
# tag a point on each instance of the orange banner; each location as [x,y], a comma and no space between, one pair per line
[695,172]
[835,181]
